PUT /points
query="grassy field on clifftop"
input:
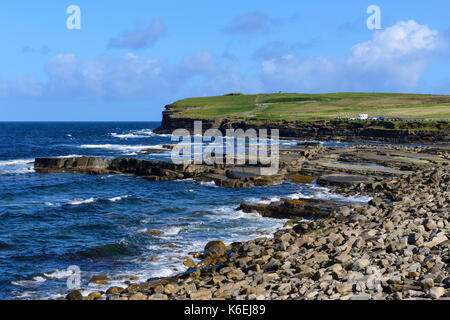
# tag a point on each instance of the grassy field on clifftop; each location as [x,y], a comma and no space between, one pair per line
[295,106]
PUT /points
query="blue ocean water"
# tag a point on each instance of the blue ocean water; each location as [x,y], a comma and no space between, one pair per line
[49,222]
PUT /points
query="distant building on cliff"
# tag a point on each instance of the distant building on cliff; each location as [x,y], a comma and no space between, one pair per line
[363,116]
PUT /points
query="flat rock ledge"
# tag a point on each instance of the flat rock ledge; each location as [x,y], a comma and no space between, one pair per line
[224,176]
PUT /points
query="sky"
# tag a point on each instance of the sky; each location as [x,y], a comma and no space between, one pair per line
[130,58]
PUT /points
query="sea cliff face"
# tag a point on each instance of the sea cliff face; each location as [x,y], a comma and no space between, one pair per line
[348,131]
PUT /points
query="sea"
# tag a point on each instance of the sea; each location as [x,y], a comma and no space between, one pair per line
[53,224]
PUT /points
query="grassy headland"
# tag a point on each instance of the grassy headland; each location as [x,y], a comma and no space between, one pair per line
[311,107]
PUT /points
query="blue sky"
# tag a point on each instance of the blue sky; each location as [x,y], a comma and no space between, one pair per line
[130,58]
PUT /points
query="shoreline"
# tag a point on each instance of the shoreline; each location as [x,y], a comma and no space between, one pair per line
[396,247]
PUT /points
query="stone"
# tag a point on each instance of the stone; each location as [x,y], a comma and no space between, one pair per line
[360,264]
[190,288]
[343,258]
[373,283]
[74,295]
[236,275]
[272,265]
[388,225]
[189,263]
[202,294]
[438,239]
[361,297]
[157,296]
[94,295]
[436,292]
[100,279]
[396,246]
[429,224]
[427,284]
[218,279]
[138,296]
[344,287]
[117,298]
[286,237]
[215,248]
[413,268]
[171,289]
[114,290]
[154,232]
[414,238]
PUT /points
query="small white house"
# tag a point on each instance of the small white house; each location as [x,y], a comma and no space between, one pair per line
[363,116]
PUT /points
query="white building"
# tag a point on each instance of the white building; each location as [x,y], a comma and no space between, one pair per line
[363,116]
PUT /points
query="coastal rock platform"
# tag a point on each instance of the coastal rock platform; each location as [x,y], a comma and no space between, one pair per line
[395,247]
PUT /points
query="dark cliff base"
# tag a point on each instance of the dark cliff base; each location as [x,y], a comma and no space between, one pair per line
[425,132]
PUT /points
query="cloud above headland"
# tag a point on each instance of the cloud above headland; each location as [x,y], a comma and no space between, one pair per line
[395,59]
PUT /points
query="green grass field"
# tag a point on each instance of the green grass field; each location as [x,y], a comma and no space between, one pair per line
[295,106]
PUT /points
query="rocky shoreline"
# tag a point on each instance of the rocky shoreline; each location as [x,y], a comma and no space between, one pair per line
[396,247]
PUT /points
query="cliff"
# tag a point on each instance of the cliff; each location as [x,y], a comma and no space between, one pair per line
[420,132]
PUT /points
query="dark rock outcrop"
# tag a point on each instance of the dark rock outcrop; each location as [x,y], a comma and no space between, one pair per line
[90,165]
[289,209]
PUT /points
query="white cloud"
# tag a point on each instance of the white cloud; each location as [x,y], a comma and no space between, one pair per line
[107,76]
[394,60]
[132,77]
[403,39]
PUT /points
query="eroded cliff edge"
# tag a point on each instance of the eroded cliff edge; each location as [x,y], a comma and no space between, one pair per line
[324,130]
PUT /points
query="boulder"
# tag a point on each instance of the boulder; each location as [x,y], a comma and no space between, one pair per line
[215,248]
[100,279]
[74,295]
[154,232]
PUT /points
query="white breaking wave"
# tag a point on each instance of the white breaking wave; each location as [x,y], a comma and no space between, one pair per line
[71,156]
[323,193]
[172,231]
[77,202]
[59,274]
[16,166]
[51,204]
[126,136]
[115,199]
[209,183]
[264,201]
[144,133]
[126,149]
[28,283]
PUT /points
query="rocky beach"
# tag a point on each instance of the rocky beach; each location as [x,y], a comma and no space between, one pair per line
[395,247]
